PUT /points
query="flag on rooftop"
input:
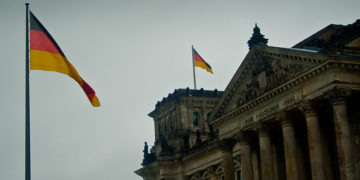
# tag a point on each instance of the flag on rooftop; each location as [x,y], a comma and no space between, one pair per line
[200,62]
[46,55]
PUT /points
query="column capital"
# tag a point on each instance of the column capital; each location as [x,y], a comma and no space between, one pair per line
[262,129]
[227,144]
[285,118]
[338,95]
[308,108]
[244,137]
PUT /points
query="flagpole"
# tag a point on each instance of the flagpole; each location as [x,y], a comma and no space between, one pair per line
[192,50]
[27,101]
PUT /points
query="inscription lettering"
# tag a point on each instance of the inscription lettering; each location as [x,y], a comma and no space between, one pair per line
[268,111]
[289,101]
[271,109]
[249,120]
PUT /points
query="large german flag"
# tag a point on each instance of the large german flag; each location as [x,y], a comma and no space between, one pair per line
[200,62]
[46,55]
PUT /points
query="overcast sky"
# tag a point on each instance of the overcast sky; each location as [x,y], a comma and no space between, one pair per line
[133,53]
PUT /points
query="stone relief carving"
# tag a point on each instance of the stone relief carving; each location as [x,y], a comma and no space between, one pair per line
[263,75]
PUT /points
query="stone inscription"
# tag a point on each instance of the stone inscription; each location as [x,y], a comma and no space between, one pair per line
[267,111]
[289,101]
[271,109]
[249,120]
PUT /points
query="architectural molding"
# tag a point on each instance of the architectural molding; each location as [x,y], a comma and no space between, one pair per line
[308,108]
[244,137]
[237,161]
[221,118]
[219,169]
[197,153]
[338,95]
[263,129]
[227,145]
[285,118]
[145,172]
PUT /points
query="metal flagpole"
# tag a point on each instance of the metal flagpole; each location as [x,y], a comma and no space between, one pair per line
[192,50]
[27,101]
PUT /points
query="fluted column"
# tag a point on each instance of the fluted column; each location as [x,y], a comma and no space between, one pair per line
[345,154]
[314,140]
[245,150]
[227,158]
[265,152]
[292,170]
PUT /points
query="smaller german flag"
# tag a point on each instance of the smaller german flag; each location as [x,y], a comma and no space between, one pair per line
[200,62]
[46,55]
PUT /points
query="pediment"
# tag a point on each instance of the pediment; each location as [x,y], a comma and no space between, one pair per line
[219,169]
[237,162]
[263,69]
[196,176]
[206,175]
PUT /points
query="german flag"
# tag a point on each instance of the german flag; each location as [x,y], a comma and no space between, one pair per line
[46,55]
[200,62]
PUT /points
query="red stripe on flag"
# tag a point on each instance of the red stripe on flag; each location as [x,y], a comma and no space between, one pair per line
[40,41]
[198,58]
[88,90]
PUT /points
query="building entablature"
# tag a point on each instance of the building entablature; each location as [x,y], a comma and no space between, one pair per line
[294,87]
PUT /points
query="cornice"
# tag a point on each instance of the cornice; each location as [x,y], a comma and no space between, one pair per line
[346,65]
[197,153]
[168,162]
[144,171]
[187,95]
[207,100]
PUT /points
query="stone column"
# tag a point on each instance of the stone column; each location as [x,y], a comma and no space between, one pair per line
[345,154]
[245,150]
[254,160]
[267,171]
[275,162]
[292,170]
[227,158]
[314,140]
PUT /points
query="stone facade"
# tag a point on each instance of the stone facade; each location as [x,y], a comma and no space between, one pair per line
[288,113]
